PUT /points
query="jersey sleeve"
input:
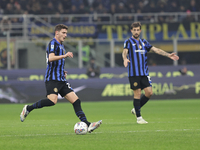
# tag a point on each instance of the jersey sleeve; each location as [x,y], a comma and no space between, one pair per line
[126,44]
[147,45]
[52,47]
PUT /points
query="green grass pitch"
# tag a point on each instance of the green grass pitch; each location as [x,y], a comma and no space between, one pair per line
[173,125]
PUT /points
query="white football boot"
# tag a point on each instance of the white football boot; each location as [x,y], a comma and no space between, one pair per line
[94,125]
[140,120]
[133,112]
[24,113]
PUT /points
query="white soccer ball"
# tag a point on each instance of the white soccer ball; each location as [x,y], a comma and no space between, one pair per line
[80,128]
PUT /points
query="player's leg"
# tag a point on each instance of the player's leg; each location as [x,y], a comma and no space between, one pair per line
[75,101]
[52,96]
[135,83]
[136,87]
[136,102]
[137,107]
[49,101]
[146,85]
[39,104]
[68,93]
[52,88]
[144,99]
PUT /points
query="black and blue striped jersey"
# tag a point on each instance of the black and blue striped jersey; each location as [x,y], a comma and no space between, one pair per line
[137,54]
[55,69]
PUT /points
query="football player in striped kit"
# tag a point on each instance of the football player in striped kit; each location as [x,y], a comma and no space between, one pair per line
[55,80]
[135,59]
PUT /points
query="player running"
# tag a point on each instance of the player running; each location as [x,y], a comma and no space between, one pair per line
[55,80]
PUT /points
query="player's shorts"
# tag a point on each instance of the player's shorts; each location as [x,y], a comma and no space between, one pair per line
[140,82]
[55,87]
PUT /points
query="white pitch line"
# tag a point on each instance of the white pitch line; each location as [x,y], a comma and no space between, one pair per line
[114,132]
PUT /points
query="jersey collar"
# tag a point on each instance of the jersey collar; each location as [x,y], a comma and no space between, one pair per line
[57,41]
[135,39]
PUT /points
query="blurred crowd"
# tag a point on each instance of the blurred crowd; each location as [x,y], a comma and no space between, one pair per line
[57,7]
[98,6]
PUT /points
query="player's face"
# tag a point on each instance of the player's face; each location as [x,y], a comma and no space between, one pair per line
[61,35]
[136,32]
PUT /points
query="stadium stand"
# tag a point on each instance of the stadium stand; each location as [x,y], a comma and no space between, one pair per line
[110,11]
[25,18]
[100,6]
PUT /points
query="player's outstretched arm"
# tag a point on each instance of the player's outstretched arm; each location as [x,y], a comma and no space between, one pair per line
[172,56]
[124,56]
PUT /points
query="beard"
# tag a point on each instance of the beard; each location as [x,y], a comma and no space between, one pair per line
[136,36]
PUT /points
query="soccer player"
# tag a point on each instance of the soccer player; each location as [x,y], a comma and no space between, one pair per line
[55,80]
[135,58]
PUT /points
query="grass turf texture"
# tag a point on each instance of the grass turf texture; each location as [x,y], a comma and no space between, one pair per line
[173,124]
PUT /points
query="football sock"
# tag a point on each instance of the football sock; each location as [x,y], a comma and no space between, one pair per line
[143,100]
[79,112]
[139,118]
[41,103]
[136,104]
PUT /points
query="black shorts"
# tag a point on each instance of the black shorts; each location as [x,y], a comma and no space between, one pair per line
[55,87]
[140,82]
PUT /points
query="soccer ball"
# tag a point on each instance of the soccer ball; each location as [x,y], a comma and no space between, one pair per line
[80,128]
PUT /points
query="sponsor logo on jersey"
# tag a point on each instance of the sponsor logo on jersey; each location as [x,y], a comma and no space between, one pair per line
[141,51]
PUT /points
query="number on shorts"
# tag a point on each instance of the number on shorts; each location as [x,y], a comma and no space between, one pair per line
[69,86]
[47,59]
[149,78]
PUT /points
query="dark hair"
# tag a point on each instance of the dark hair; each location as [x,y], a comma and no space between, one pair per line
[135,25]
[60,27]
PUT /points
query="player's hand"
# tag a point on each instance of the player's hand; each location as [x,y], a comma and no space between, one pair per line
[173,56]
[126,61]
[69,54]
[65,73]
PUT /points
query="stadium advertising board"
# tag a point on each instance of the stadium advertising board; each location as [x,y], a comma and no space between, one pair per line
[151,32]
[74,30]
[24,86]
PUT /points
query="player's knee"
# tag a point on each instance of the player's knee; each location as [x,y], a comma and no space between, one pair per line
[55,101]
[149,94]
[77,102]
[53,98]
[137,93]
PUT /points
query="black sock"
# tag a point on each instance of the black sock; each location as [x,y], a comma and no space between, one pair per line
[136,104]
[79,112]
[41,103]
[143,100]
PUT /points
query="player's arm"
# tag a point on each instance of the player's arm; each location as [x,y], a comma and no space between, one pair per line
[65,72]
[53,57]
[172,56]
[124,56]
